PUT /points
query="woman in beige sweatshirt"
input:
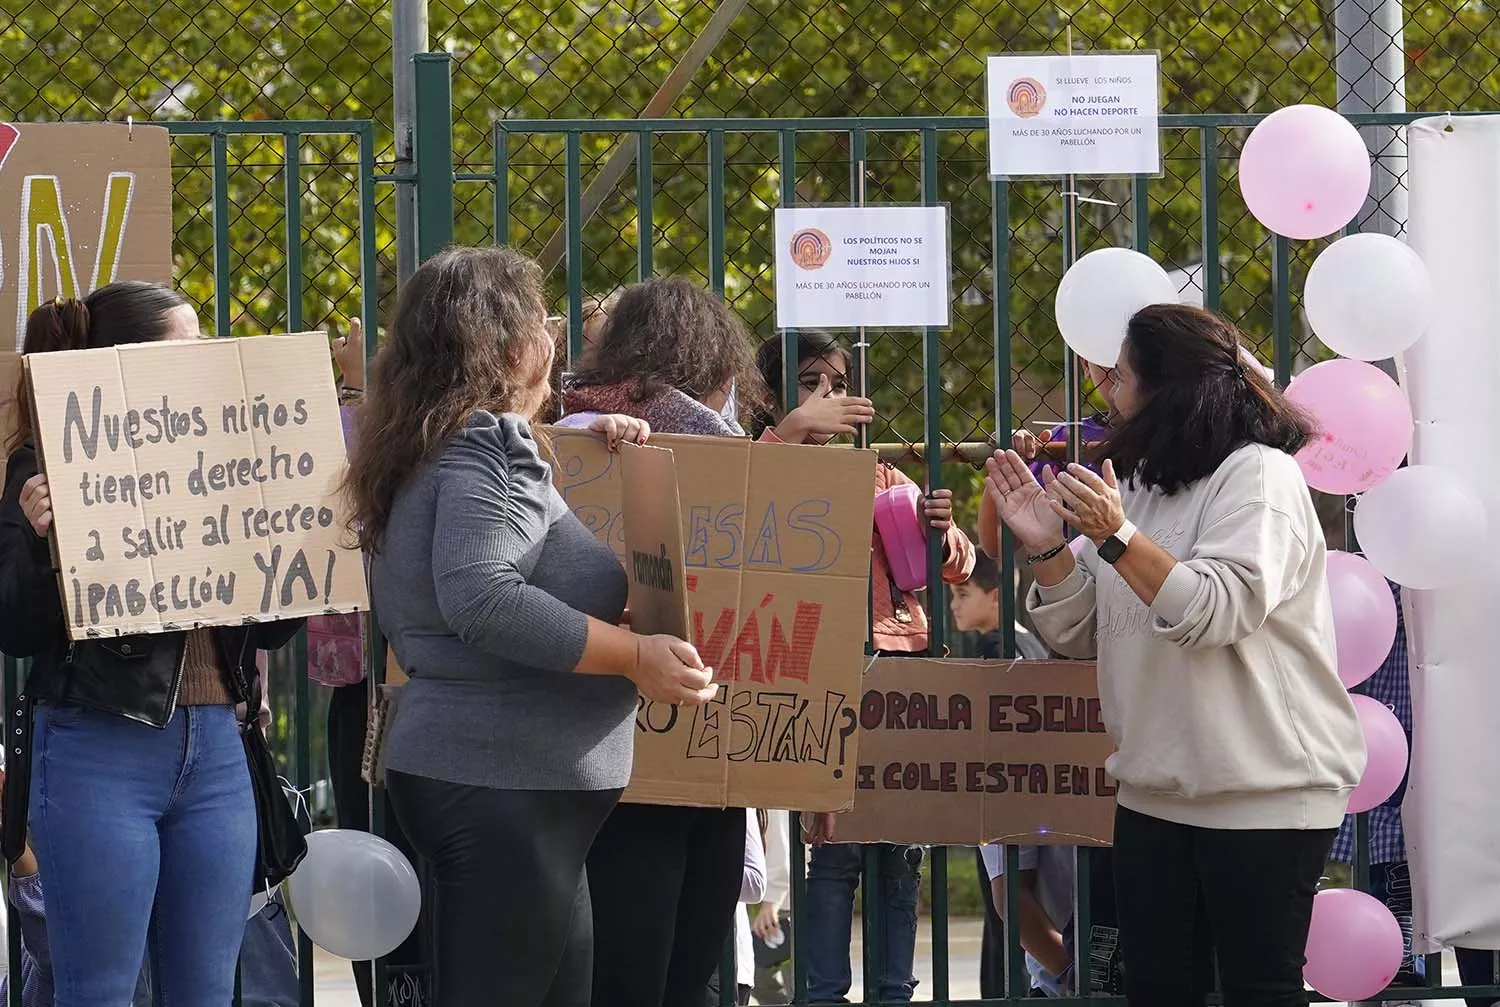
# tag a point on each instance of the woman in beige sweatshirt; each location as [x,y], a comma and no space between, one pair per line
[1202,593]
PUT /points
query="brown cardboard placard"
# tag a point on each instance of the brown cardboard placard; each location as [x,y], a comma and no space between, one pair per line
[777,546]
[652,514]
[195,483]
[10,374]
[966,752]
[90,202]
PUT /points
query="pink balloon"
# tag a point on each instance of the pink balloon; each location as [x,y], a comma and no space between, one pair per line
[1354,945]
[1364,616]
[1305,171]
[1077,545]
[1385,756]
[1363,425]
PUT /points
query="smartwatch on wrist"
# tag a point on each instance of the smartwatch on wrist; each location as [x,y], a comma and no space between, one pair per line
[1112,548]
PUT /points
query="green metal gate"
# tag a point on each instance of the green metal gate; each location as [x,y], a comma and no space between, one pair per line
[286,225]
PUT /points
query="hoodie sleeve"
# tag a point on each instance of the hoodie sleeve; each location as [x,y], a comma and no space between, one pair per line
[1251,554]
[1066,614]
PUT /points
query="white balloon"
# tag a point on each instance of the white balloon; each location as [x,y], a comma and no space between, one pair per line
[1100,293]
[354,895]
[1369,296]
[1423,527]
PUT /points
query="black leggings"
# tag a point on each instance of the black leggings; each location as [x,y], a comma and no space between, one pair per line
[513,921]
[1187,896]
[665,884]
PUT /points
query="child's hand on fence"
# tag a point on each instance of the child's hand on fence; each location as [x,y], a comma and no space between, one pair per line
[938,508]
[349,355]
[1027,444]
[824,416]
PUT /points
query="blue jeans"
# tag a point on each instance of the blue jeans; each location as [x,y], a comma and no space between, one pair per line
[832,876]
[268,962]
[139,830]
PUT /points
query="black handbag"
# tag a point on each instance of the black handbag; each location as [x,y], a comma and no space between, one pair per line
[281,839]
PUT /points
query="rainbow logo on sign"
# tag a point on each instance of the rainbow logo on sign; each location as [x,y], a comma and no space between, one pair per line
[1026,97]
[811,248]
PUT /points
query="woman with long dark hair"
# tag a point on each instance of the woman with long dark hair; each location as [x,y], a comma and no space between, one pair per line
[513,737]
[1202,592]
[141,807]
[665,880]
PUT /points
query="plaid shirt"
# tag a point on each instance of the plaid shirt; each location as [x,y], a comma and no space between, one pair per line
[1390,685]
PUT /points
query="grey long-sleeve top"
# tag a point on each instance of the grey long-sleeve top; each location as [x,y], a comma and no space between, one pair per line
[483,585]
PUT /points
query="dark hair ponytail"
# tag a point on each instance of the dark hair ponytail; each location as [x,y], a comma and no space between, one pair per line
[128,311]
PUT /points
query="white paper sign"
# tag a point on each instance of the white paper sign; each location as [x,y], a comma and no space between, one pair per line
[867,266]
[1084,114]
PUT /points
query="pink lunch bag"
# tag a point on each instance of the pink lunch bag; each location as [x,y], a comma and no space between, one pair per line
[335,649]
[898,519]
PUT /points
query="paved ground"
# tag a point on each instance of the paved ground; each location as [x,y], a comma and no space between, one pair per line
[335,985]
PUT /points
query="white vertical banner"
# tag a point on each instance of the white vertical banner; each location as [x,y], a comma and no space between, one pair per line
[1452,807]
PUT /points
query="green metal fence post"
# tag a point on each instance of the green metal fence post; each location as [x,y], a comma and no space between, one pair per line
[433,144]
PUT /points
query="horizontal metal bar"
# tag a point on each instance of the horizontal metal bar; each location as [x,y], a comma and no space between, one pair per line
[967,452]
[877,124]
[264,127]
[474,176]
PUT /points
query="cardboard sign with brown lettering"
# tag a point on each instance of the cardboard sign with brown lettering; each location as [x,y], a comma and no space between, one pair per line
[10,375]
[966,752]
[654,558]
[84,204]
[195,483]
[777,547]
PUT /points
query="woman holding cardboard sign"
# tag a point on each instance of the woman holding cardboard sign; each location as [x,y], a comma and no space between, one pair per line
[143,812]
[665,880]
[1209,612]
[513,738]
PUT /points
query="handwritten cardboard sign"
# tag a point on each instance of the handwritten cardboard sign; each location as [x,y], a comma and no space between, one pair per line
[777,548]
[84,204]
[10,375]
[195,483]
[967,752]
[654,561]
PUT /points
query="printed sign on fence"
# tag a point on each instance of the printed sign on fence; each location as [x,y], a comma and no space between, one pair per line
[842,267]
[967,752]
[195,483]
[777,548]
[1079,114]
[91,203]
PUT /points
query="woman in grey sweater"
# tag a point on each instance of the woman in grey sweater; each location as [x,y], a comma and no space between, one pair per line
[513,740]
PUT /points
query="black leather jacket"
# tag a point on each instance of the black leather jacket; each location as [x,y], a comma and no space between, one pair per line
[137,677]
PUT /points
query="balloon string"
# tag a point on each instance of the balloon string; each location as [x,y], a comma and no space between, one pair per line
[297,797]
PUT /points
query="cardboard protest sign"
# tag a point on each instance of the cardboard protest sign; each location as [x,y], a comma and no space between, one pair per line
[195,483]
[777,547]
[653,533]
[967,752]
[10,374]
[85,204]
